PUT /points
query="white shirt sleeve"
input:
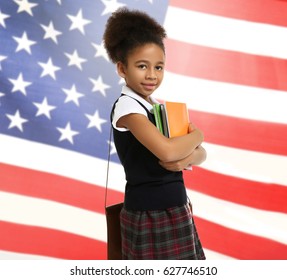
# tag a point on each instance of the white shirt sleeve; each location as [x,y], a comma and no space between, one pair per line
[126,105]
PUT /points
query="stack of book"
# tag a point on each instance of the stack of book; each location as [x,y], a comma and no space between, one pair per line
[171,118]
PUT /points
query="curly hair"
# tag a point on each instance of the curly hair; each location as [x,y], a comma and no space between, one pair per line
[127,30]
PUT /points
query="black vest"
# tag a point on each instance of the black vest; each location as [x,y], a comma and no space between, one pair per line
[149,186]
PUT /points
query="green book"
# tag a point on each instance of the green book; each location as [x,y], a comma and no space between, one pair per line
[157,115]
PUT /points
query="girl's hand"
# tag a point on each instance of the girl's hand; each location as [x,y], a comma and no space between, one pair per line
[191,127]
[195,158]
[177,165]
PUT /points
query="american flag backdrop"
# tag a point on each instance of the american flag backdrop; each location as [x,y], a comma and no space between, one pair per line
[226,59]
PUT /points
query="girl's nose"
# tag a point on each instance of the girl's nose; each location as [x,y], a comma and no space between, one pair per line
[151,75]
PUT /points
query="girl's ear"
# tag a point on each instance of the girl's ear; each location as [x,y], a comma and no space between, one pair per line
[121,69]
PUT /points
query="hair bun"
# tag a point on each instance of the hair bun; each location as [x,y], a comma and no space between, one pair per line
[126,29]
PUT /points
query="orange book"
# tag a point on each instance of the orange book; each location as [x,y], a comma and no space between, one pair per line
[177,118]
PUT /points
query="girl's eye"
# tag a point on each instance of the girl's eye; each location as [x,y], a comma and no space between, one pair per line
[159,68]
[142,66]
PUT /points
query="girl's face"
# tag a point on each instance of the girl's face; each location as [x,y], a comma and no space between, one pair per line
[144,70]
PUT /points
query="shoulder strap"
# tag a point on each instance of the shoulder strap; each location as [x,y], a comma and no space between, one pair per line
[108,167]
[109,153]
[110,139]
[131,98]
[140,104]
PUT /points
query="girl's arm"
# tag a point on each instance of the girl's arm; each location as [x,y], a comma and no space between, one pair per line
[195,158]
[165,149]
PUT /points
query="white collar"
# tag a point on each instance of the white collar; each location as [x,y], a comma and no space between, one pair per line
[127,91]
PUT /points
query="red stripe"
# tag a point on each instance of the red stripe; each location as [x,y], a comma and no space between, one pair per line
[272,12]
[57,244]
[47,242]
[242,133]
[54,187]
[64,190]
[226,66]
[237,244]
[269,197]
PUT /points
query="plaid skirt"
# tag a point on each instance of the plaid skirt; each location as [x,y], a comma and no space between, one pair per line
[160,235]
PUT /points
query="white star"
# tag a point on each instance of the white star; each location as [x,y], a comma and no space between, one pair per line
[111,6]
[73,95]
[16,121]
[95,121]
[151,1]
[67,133]
[78,22]
[24,43]
[75,59]
[99,85]
[44,108]
[1,94]
[2,18]
[101,51]
[49,68]
[2,57]
[25,6]
[51,32]
[113,147]
[19,84]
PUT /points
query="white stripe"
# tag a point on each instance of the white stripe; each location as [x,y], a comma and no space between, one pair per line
[224,98]
[5,255]
[245,164]
[226,33]
[55,160]
[212,255]
[261,223]
[38,212]
[48,214]
[263,167]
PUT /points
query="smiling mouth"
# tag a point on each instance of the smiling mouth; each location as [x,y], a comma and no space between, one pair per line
[149,86]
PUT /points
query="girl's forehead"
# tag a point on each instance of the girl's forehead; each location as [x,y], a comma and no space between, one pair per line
[147,52]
